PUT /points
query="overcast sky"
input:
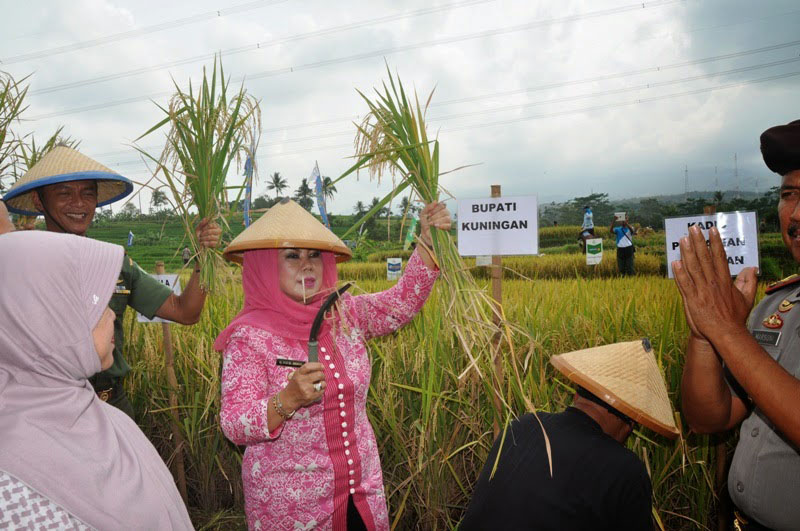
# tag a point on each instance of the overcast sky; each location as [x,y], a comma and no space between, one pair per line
[558,99]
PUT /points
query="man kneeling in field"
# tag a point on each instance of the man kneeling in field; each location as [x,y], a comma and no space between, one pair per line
[571,470]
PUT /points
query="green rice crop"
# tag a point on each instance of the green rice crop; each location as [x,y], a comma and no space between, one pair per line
[433,429]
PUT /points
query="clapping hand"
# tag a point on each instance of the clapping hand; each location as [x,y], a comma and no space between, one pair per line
[713,303]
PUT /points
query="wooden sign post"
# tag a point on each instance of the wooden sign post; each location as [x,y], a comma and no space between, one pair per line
[172,380]
[497,296]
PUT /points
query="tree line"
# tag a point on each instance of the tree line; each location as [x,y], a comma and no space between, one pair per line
[651,211]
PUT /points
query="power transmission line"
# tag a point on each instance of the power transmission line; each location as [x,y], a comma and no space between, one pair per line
[387,51]
[259,45]
[617,75]
[141,31]
[551,114]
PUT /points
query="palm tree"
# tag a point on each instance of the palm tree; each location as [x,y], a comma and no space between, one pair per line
[383,211]
[328,188]
[158,198]
[304,195]
[360,209]
[407,206]
[277,183]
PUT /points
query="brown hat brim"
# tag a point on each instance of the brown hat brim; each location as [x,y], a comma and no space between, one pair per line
[286,225]
[639,416]
[235,251]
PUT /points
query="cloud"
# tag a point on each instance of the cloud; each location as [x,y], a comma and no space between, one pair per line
[561,138]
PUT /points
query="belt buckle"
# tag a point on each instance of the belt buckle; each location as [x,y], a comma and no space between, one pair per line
[105,394]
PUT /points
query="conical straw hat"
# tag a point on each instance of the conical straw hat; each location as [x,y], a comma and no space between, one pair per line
[63,164]
[626,377]
[286,225]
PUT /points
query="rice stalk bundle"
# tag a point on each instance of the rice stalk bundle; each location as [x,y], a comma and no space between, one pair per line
[209,130]
[392,139]
[12,98]
[431,428]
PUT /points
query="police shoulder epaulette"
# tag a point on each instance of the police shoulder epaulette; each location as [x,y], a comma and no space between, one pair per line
[780,284]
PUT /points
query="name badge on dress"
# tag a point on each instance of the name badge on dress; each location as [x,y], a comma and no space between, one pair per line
[281,362]
[767,337]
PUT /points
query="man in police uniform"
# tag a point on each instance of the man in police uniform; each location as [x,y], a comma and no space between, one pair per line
[749,374]
[67,187]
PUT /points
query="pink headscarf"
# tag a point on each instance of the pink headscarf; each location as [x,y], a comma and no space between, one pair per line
[268,308]
[55,434]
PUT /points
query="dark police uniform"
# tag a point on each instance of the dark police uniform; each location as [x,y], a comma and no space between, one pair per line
[764,479]
[145,294]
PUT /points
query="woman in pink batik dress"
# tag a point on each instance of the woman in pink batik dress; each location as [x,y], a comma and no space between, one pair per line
[311,460]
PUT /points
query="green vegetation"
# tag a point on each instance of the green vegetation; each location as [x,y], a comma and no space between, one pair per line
[433,428]
[560,256]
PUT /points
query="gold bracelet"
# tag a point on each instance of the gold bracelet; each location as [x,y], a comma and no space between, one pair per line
[279,407]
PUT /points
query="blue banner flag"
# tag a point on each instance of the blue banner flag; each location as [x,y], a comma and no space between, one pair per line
[412,229]
[130,239]
[320,195]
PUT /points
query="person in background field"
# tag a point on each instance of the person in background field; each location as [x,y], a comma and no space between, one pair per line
[67,187]
[587,228]
[593,482]
[311,458]
[625,248]
[67,460]
[748,372]
[187,255]
[588,220]
[5,220]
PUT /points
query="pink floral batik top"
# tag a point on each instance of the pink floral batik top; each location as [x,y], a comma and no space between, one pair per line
[300,475]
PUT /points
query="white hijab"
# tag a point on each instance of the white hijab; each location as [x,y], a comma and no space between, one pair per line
[56,435]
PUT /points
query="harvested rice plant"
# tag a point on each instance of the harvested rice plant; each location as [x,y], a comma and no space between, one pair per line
[434,430]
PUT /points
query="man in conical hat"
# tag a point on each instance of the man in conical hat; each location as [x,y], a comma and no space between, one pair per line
[571,470]
[66,187]
[748,372]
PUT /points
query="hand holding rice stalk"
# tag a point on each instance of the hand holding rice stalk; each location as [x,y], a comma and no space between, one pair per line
[208,130]
[393,138]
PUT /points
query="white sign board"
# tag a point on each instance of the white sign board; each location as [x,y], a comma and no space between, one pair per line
[483,260]
[498,226]
[171,281]
[594,251]
[394,268]
[738,230]
[619,216]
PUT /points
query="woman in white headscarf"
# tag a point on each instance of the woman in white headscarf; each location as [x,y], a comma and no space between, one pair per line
[67,458]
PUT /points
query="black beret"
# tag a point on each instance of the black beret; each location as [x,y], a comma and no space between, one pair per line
[780,146]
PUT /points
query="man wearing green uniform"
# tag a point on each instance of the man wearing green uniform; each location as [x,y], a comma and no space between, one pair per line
[67,187]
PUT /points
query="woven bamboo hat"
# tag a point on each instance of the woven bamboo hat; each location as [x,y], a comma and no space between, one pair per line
[286,225]
[63,164]
[626,377]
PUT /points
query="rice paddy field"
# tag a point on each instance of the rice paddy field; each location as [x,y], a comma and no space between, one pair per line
[434,429]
